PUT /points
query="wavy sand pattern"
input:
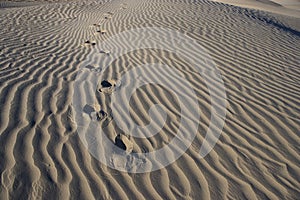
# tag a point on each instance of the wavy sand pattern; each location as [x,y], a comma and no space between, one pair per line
[42,47]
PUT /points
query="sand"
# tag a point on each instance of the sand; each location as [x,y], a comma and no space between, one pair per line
[45,45]
[284,7]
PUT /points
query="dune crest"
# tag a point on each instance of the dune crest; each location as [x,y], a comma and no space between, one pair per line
[284,7]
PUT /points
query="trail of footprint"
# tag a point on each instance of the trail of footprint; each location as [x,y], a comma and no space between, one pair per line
[107,15]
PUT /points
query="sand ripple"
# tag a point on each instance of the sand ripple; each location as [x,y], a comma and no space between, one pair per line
[42,47]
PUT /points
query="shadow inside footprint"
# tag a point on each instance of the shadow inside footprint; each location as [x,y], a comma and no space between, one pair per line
[120,143]
[88,109]
[106,83]
[124,143]
[90,67]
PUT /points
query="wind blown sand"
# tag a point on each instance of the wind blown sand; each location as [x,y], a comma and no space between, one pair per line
[285,7]
[42,47]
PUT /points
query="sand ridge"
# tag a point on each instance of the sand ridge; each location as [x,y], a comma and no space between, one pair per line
[284,7]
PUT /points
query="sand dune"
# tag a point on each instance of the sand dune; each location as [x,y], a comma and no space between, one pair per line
[43,47]
[284,7]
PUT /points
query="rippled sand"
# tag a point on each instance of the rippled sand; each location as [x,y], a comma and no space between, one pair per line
[43,46]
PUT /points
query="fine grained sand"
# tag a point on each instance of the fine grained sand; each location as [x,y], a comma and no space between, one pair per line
[285,7]
[42,47]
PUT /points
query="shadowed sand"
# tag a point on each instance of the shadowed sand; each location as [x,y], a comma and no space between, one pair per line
[42,48]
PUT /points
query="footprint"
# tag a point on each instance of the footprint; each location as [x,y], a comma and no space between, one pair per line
[101,115]
[105,52]
[108,15]
[107,86]
[124,143]
[123,6]
[96,114]
[88,42]
[102,31]
[90,67]
[130,162]
[97,25]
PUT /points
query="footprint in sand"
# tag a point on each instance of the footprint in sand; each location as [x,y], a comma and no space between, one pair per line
[123,6]
[105,52]
[95,113]
[124,143]
[107,86]
[102,32]
[90,67]
[93,68]
[108,15]
[99,116]
[88,42]
[97,25]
